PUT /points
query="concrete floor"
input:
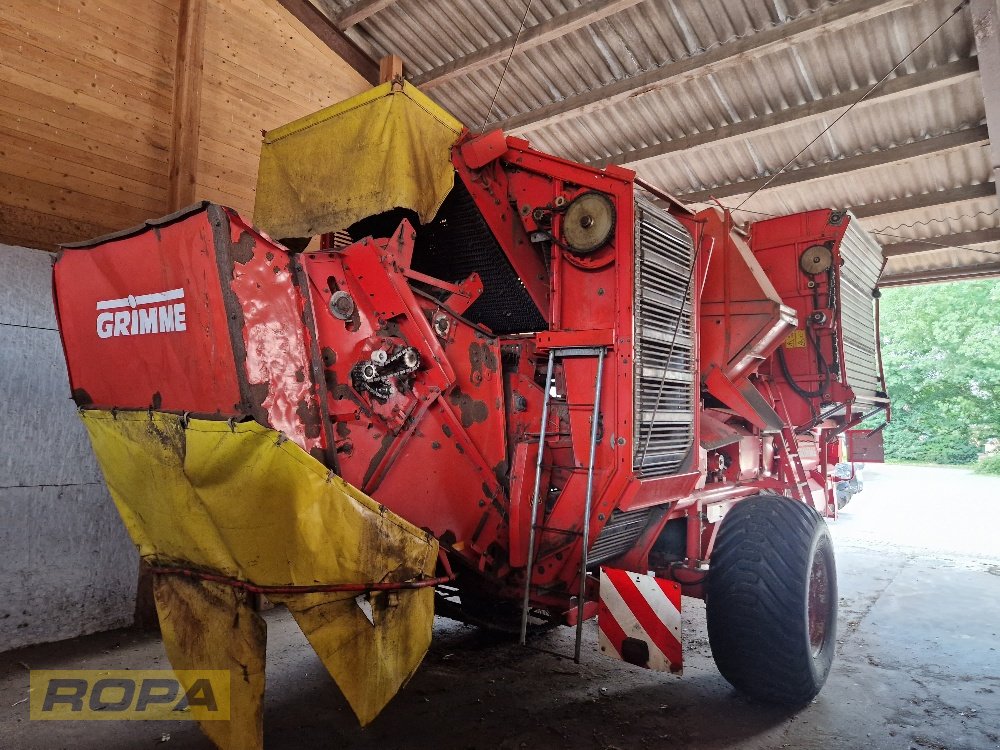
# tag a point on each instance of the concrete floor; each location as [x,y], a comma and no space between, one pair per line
[918,664]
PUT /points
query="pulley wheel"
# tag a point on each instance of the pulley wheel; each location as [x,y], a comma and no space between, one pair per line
[816,259]
[588,222]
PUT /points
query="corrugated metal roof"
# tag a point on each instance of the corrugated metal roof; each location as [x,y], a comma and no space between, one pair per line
[654,33]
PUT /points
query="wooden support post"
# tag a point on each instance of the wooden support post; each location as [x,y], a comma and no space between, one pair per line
[186,117]
[390,68]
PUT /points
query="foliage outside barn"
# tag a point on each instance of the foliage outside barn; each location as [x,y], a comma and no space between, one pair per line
[942,367]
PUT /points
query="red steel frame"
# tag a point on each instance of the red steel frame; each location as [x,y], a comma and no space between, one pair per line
[453,448]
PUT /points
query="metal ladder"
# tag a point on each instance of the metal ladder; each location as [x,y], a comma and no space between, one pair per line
[599,352]
[789,446]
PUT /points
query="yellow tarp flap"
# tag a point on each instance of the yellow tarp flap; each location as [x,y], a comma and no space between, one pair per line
[387,148]
[349,645]
[210,626]
[244,502]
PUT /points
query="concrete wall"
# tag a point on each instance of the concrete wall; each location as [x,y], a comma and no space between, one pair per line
[67,566]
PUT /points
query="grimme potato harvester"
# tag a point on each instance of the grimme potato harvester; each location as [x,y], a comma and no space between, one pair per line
[531,390]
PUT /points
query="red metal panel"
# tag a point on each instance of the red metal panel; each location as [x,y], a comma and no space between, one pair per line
[865,446]
[277,359]
[197,313]
[144,322]
[434,447]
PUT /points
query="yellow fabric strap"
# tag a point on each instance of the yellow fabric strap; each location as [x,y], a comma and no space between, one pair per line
[386,148]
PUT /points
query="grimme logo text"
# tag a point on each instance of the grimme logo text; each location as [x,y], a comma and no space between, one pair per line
[138,315]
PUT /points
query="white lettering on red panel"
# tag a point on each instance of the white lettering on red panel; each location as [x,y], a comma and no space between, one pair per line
[136,315]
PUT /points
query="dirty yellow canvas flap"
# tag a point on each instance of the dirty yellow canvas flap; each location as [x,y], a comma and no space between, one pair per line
[242,501]
[386,148]
[210,626]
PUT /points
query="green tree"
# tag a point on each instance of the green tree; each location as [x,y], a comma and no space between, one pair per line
[941,353]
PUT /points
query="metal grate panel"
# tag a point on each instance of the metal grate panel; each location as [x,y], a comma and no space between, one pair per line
[664,396]
[619,535]
[458,242]
[859,276]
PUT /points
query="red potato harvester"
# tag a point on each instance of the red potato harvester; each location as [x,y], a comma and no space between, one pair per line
[592,398]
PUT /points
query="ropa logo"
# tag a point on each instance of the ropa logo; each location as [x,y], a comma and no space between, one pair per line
[145,694]
[146,313]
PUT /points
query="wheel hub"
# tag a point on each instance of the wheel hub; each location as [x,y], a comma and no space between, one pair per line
[818,603]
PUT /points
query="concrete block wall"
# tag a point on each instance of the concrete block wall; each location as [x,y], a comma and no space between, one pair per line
[67,566]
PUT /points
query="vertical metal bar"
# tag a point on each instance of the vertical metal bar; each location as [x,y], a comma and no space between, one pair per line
[535,497]
[586,508]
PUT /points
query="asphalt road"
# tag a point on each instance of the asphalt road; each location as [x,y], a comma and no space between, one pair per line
[918,664]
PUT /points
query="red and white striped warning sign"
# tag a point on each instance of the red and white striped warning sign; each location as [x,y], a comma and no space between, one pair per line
[639,620]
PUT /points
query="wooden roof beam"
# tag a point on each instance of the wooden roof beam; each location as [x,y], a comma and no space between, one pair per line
[977,136]
[535,36]
[182,176]
[919,82]
[941,242]
[925,200]
[951,273]
[354,14]
[327,32]
[782,36]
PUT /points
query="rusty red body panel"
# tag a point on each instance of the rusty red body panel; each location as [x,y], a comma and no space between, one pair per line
[217,331]
[411,359]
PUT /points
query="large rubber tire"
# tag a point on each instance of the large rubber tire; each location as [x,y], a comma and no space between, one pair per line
[771,600]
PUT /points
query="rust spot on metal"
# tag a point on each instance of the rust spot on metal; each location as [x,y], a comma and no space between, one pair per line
[329,357]
[436,445]
[300,376]
[81,397]
[157,401]
[446,430]
[459,448]
[309,416]
[343,429]
[258,394]
[242,250]
[389,329]
[500,472]
[387,441]
[472,410]
[482,356]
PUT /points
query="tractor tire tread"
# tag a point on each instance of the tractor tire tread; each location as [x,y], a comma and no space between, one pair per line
[756,591]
